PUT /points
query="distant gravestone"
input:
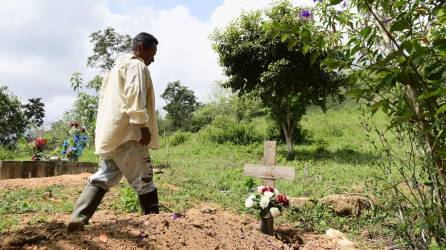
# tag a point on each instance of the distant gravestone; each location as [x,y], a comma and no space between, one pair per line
[269,173]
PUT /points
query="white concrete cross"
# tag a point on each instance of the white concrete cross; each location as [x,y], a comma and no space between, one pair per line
[269,172]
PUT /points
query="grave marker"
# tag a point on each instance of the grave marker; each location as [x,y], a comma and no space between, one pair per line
[269,173]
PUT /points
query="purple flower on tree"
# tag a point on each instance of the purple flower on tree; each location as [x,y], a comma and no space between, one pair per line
[305,14]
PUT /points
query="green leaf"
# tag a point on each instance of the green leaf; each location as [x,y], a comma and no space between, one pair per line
[313,57]
[284,37]
[376,106]
[441,109]
[305,36]
[292,42]
[440,44]
[356,93]
[306,48]
[334,2]
[365,32]
[435,73]
[427,95]
[441,14]
[400,24]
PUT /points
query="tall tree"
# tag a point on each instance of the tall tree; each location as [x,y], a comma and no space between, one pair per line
[107,45]
[181,104]
[13,120]
[286,79]
[35,112]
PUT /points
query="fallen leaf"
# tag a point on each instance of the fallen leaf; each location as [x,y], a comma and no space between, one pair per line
[103,237]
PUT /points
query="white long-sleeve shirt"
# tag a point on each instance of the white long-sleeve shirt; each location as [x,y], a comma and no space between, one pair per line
[126,104]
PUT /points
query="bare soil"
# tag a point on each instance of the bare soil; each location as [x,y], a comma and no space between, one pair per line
[204,227]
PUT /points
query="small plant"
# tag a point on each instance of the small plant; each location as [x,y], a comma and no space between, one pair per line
[129,200]
[179,137]
[73,148]
[267,201]
[39,145]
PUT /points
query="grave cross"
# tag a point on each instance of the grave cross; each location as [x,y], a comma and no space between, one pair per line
[269,172]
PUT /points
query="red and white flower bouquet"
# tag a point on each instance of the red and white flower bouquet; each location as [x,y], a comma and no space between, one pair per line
[267,201]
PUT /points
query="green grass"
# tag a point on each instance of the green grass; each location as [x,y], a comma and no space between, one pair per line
[336,153]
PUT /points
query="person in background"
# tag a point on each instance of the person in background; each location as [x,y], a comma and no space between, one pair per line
[126,128]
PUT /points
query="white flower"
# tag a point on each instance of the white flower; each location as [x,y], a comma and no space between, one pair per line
[274,211]
[249,203]
[268,194]
[264,201]
[259,189]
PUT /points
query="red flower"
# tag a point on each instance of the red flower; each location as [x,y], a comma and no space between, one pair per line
[35,158]
[74,124]
[40,142]
[283,200]
[270,189]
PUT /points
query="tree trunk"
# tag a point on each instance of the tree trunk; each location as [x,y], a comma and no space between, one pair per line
[288,132]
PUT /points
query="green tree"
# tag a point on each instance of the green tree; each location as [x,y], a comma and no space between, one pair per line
[35,112]
[395,53]
[13,121]
[285,78]
[107,45]
[181,103]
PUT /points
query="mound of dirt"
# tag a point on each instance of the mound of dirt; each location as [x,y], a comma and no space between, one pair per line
[205,227]
[201,228]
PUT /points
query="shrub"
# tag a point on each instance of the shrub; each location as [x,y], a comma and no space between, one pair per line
[224,130]
[179,137]
[6,154]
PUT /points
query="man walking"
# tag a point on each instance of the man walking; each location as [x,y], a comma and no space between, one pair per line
[126,127]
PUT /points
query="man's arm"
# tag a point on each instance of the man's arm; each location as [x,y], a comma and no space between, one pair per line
[136,92]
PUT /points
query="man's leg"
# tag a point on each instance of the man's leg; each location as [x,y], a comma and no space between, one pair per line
[136,167]
[99,183]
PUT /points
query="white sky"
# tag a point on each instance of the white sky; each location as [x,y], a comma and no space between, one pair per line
[44,41]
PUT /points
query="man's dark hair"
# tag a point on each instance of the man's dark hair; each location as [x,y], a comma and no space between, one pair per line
[146,39]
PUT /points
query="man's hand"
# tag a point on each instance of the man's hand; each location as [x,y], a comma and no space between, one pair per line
[145,136]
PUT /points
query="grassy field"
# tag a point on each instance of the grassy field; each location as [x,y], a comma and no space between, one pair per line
[336,153]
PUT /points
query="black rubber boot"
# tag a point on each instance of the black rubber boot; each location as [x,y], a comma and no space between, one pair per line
[86,205]
[149,202]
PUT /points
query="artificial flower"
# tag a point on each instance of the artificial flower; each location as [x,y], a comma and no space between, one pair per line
[268,194]
[270,189]
[305,14]
[249,202]
[282,199]
[264,202]
[274,211]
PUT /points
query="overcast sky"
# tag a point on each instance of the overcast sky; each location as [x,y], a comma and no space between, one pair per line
[44,41]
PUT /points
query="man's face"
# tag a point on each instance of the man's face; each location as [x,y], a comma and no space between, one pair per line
[148,55]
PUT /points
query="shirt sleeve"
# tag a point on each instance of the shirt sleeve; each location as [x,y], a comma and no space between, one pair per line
[135,91]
